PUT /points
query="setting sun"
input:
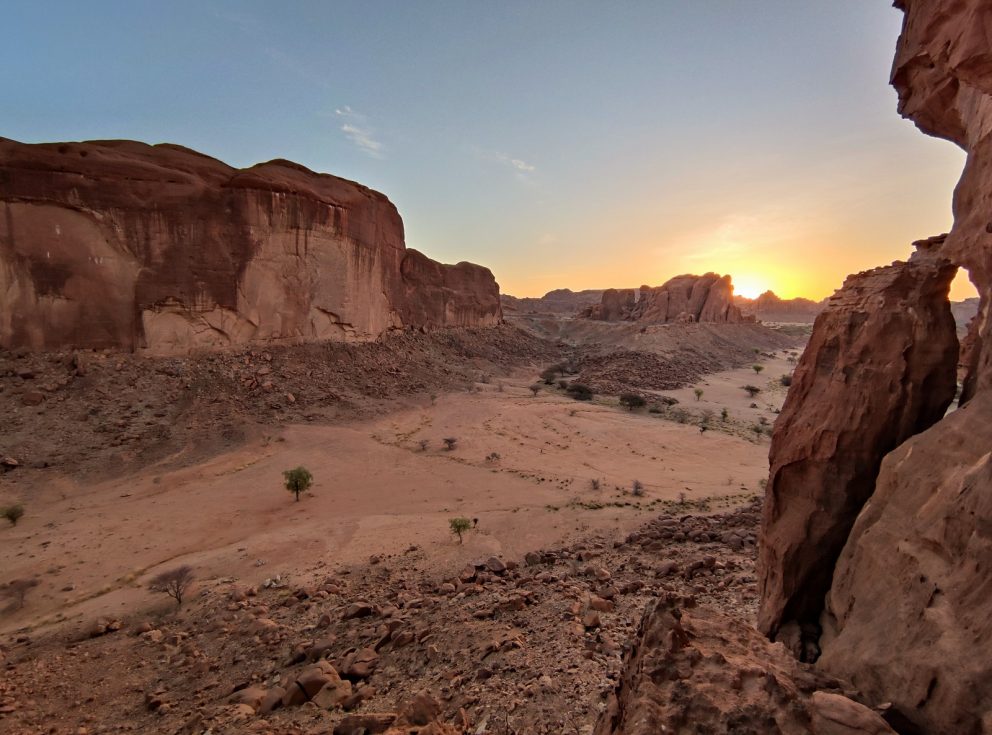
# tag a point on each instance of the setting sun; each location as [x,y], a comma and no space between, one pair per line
[749,286]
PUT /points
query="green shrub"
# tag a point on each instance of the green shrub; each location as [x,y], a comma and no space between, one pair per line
[13,513]
[459,526]
[580,392]
[298,480]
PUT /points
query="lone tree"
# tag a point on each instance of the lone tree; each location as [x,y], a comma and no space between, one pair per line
[459,526]
[549,376]
[637,489]
[757,368]
[450,443]
[752,390]
[724,414]
[174,582]
[13,513]
[536,388]
[580,392]
[631,401]
[298,480]
[698,392]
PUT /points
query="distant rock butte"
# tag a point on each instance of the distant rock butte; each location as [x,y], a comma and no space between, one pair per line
[683,299]
[126,245]
[559,301]
[768,307]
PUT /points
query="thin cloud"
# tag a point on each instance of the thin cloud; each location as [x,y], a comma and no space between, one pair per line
[354,128]
[520,167]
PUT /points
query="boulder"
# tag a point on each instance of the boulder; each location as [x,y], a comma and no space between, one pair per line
[879,368]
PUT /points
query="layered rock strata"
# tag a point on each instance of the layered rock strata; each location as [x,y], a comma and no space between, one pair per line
[125,245]
[683,299]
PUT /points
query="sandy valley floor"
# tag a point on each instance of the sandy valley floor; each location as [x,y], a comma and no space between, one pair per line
[377,492]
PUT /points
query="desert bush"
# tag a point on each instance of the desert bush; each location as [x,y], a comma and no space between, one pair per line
[751,390]
[580,392]
[706,418]
[433,398]
[450,443]
[459,526]
[297,480]
[595,483]
[637,488]
[631,401]
[493,457]
[174,583]
[549,376]
[698,392]
[17,591]
[536,388]
[563,384]
[786,380]
[654,409]
[757,368]
[758,430]
[13,513]
[423,444]
[724,414]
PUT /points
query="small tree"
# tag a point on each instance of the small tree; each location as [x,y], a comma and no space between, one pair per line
[757,368]
[698,392]
[459,526]
[16,591]
[450,443]
[580,392]
[298,480]
[536,388]
[752,390]
[595,483]
[637,488]
[786,380]
[13,513]
[174,583]
[631,401]
[724,414]
[549,376]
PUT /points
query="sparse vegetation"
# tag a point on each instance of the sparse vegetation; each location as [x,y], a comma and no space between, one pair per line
[698,392]
[751,390]
[637,489]
[757,368]
[423,444]
[580,392]
[450,443]
[536,388]
[298,480]
[631,401]
[174,582]
[493,457]
[758,430]
[549,376]
[459,526]
[17,590]
[595,483]
[786,380]
[724,414]
[13,513]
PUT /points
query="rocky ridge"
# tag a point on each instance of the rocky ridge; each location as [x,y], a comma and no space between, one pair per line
[683,299]
[119,244]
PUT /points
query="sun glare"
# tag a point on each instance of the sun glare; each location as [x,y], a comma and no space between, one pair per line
[749,286]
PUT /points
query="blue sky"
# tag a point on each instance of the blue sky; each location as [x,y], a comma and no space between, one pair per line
[580,144]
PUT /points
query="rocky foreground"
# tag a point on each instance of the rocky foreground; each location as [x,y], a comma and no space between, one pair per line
[532,645]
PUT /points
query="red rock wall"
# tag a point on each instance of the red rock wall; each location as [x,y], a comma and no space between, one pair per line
[120,244]
[905,615]
[706,298]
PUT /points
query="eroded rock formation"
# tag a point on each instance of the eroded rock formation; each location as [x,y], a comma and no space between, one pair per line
[879,368]
[768,307]
[121,244]
[697,670]
[683,299]
[907,597]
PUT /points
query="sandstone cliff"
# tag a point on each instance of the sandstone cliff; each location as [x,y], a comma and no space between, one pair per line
[768,307]
[683,299]
[125,245]
[559,301]
[905,602]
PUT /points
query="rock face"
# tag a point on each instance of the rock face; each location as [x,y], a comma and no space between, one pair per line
[768,307]
[125,245]
[559,301]
[697,670]
[907,598]
[879,368]
[683,299]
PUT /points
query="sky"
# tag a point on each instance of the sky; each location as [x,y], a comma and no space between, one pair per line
[562,144]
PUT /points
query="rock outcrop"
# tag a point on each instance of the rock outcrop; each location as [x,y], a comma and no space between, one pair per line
[683,299]
[906,603]
[697,670]
[880,367]
[559,301]
[125,245]
[768,307]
